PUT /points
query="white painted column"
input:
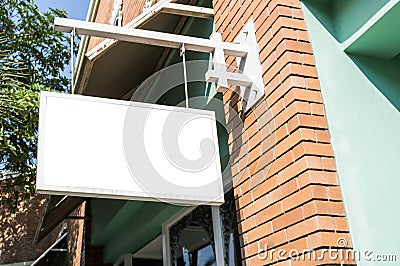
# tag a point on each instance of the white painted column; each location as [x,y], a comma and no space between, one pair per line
[218,236]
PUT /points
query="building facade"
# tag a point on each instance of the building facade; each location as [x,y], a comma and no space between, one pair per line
[311,165]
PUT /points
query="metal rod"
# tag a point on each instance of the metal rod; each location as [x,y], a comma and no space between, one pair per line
[59,250]
[49,249]
[166,246]
[183,54]
[72,60]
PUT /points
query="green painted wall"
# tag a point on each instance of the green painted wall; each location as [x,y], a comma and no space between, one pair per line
[362,101]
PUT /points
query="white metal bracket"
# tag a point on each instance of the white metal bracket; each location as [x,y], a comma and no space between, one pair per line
[116,16]
[218,74]
[147,5]
[249,76]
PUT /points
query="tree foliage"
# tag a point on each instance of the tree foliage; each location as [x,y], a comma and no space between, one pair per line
[34,43]
[32,58]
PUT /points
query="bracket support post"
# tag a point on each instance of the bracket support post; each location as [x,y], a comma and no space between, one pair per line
[249,77]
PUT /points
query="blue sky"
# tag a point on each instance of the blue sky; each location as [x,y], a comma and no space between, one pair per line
[77,9]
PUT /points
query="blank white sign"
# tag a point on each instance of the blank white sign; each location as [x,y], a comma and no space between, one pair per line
[95,147]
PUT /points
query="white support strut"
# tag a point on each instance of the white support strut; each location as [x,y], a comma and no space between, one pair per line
[250,67]
[146,37]
[188,10]
[233,79]
[219,73]
[249,76]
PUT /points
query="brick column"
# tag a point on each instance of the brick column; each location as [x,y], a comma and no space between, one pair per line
[285,182]
[75,236]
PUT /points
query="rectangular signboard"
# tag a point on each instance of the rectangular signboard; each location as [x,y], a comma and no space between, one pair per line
[96,147]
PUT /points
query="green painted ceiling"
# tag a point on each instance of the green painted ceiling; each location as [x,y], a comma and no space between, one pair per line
[364,27]
[380,37]
[126,226]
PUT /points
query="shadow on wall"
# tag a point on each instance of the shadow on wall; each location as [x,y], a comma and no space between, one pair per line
[14,229]
[342,18]
[18,231]
[383,74]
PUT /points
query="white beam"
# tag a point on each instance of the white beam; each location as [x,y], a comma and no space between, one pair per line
[188,10]
[234,79]
[146,37]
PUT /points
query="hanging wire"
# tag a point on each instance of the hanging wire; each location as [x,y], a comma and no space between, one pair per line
[183,52]
[72,60]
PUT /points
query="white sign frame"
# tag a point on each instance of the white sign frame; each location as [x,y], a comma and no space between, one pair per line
[49,185]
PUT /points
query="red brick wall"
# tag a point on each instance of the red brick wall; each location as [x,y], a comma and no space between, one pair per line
[103,15]
[297,203]
[18,232]
[130,10]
